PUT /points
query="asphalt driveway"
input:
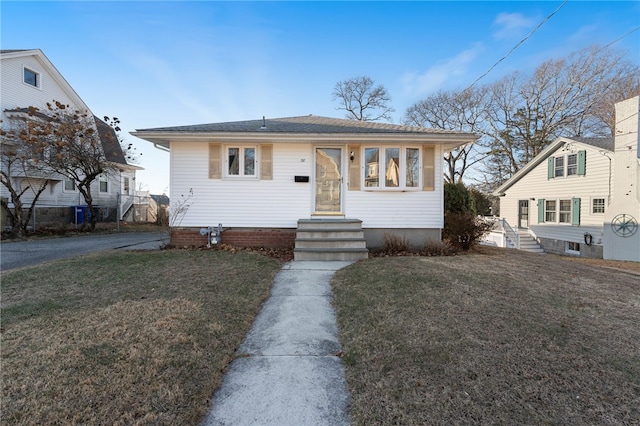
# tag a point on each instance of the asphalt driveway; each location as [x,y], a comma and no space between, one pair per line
[19,254]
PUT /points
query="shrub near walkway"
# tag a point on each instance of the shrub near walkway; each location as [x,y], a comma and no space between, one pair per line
[497,337]
[125,338]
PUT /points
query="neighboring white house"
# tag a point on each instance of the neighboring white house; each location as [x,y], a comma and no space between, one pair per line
[580,196]
[28,78]
[259,178]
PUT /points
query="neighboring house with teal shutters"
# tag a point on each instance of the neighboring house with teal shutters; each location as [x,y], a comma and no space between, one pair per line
[580,196]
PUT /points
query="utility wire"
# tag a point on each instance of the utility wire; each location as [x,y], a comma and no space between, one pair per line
[517,45]
[619,38]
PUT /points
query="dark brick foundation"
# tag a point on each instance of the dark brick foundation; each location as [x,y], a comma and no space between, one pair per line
[239,237]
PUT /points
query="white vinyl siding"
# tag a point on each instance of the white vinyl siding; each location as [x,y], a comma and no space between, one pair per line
[538,186]
[280,201]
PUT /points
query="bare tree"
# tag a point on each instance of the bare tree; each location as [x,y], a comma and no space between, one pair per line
[73,149]
[574,96]
[458,111]
[19,154]
[129,151]
[362,100]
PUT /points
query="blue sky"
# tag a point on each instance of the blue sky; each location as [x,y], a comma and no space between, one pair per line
[155,64]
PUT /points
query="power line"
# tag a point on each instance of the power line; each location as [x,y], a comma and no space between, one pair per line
[619,38]
[517,45]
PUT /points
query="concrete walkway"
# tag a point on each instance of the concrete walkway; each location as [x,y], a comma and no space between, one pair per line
[287,371]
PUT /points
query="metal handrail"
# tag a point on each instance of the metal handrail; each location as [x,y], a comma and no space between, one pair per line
[510,233]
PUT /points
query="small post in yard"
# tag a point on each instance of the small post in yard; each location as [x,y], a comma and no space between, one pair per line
[118,211]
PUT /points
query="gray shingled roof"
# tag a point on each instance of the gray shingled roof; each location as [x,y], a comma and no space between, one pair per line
[14,50]
[604,143]
[303,124]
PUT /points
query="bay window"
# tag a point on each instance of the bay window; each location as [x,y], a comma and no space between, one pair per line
[391,167]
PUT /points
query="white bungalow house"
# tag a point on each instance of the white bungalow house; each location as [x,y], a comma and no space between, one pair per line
[273,182]
[580,196]
[28,78]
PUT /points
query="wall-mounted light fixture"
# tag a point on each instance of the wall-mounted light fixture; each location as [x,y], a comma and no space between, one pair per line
[352,157]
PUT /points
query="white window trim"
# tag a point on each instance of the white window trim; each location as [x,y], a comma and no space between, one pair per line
[604,199]
[69,191]
[241,175]
[557,211]
[402,187]
[103,178]
[38,78]
[570,251]
[575,165]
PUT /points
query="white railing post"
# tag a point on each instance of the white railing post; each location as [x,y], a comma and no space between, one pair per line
[511,233]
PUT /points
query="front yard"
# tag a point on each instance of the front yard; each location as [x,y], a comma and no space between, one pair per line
[125,338]
[491,337]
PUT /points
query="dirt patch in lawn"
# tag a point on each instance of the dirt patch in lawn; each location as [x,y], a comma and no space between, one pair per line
[491,337]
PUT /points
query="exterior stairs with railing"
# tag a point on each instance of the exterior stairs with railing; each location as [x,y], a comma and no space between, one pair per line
[330,239]
[528,243]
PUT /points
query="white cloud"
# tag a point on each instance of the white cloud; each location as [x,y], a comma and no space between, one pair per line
[511,25]
[439,75]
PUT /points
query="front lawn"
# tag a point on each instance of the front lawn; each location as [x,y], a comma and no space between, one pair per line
[492,337]
[125,338]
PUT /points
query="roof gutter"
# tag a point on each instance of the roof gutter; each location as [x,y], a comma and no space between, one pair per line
[161,147]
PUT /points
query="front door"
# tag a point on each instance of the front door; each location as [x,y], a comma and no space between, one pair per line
[523,213]
[328,182]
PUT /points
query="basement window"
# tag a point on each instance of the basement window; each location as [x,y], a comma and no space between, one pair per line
[572,248]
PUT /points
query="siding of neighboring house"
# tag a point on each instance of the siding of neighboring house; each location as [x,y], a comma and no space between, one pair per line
[55,203]
[15,93]
[536,186]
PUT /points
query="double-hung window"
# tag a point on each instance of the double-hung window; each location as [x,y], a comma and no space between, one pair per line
[104,183]
[550,211]
[69,185]
[559,211]
[565,211]
[597,205]
[391,167]
[559,168]
[572,164]
[565,165]
[241,161]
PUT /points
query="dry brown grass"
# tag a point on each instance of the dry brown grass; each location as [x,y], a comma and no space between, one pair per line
[126,338]
[491,337]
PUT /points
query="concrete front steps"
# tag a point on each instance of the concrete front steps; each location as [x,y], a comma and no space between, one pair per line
[330,239]
[528,243]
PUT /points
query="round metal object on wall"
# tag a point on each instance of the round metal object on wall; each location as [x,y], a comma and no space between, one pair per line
[624,225]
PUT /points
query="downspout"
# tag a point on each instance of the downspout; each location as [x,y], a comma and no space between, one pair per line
[605,154]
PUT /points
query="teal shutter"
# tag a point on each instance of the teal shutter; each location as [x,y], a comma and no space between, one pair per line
[575,211]
[582,163]
[541,210]
[550,168]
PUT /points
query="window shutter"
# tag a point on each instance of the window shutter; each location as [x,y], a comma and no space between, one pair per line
[354,167]
[550,168]
[428,168]
[215,168]
[582,163]
[575,211]
[541,210]
[266,162]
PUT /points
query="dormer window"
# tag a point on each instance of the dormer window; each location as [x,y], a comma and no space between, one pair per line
[31,78]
